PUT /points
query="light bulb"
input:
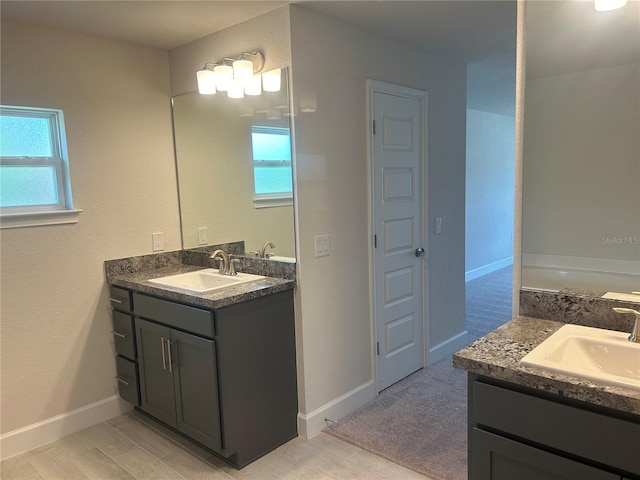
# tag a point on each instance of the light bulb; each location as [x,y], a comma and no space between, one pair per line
[206,82]
[224,76]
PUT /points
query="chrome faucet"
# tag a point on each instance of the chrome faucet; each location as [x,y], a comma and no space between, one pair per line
[263,251]
[226,266]
[635,333]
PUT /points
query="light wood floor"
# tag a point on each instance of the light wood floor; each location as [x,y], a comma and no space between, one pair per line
[133,447]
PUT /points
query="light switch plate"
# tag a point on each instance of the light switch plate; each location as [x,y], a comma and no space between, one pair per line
[438,225]
[323,245]
[202,236]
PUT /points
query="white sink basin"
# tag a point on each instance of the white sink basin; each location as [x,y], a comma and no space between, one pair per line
[595,354]
[202,281]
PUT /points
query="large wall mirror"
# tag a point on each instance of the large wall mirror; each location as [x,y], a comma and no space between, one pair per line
[581,148]
[234,166]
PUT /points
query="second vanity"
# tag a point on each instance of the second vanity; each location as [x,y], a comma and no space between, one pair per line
[529,423]
[218,367]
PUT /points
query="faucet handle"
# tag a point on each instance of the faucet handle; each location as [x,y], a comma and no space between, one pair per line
[232,266]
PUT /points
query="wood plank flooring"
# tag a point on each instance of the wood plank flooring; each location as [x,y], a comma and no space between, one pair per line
[134,447]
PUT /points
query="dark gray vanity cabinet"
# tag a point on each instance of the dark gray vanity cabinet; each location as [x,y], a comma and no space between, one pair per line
[225,378]
[125,344]
[179,382]
[520,433]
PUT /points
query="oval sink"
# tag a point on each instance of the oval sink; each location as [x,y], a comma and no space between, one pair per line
[207,280]
[592,353]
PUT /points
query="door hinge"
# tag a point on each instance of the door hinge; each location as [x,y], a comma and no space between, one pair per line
[374,127]
[375,241]
[377,348]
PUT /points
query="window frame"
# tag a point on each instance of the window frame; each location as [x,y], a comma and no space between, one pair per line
[62,211]
[279,199]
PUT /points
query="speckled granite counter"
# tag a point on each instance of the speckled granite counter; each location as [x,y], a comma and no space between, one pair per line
[497,355]
[134,274]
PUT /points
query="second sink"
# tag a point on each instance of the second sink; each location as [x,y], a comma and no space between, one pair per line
[206,280]
[596,354]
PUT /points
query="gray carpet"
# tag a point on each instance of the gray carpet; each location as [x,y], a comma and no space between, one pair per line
[421,421]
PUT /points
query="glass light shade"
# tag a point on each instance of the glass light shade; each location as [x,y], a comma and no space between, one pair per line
[206,82]
[224,76]
[243,71]
[271,80]
[236,89]
[254,86]
[606,5]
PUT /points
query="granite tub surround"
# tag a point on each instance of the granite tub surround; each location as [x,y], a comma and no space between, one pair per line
[498,355]
[578,307]
[134,273]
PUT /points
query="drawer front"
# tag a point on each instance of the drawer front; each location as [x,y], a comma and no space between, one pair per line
[183,317]
[128,380]
[563,427]
[123,334]
[120,299]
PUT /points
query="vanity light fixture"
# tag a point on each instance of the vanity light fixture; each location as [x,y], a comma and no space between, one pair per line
[236,76]
[607,5]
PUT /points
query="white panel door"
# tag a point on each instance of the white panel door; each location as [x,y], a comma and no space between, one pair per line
[397,155]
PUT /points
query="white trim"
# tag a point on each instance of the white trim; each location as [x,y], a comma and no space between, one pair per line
[311,424]
[449,346]
[487,269]
[37,219]
[627,267]
[52,429]
[421,95]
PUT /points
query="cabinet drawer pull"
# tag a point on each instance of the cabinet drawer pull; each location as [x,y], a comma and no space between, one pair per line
[122,380]
[164,359]
[116,300]
[118,334]
[169,351]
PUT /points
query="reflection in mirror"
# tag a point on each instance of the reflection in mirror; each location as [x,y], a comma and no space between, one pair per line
[234,170]
[581,148]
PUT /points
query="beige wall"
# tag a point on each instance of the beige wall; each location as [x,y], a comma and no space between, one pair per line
[332,60]
[581,169]
[56,343]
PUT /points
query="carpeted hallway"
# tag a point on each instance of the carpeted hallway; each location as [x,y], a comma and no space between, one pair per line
[420,422]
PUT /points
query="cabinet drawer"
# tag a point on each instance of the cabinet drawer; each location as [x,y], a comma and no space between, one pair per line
[559,426]
[128,380]
[183,317]
[120,299]
[123,334]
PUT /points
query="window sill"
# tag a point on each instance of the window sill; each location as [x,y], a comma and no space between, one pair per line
[37,219]
[268,202]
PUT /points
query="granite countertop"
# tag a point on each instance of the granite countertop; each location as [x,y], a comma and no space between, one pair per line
[497,355]
[139,282]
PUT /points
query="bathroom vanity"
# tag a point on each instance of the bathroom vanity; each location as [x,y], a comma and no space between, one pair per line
[528,423]
[217,367]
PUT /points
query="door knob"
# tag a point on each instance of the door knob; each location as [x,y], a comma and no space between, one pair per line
[419,252]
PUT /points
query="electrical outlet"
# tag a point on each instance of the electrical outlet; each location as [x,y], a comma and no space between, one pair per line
[323,245]
[202,236]
[158,241]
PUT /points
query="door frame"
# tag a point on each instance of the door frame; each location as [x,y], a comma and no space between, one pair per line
[376,86]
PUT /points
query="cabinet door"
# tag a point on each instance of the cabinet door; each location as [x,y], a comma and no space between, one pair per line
[196,388]
[499,458]
[156,378]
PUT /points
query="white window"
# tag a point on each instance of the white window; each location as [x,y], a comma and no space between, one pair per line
[273,179]
[35,187]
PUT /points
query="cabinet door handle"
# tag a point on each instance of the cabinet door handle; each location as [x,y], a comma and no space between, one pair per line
[118,334]
[116,300]
[164,359]
[169,351]
[122,380]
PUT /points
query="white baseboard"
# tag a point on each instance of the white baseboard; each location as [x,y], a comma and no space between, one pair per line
[51,429]
[311,424]
[449,346]
[486,269]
